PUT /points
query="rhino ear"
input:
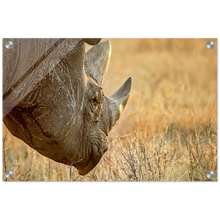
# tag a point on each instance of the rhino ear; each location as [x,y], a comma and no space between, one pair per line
[96,61]
[119,99]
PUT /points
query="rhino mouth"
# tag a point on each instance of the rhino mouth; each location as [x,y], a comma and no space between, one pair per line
[93,161]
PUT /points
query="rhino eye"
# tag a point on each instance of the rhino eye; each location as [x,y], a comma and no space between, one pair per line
[95,100]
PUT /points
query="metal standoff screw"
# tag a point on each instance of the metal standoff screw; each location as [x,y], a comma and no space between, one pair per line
[9,174]
[210,174]
[9,44]
[210,44]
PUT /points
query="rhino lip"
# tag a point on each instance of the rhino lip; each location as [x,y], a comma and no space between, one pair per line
[84,169]
[92,162]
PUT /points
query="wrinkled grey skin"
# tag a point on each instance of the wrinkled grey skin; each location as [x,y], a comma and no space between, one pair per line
[66,117]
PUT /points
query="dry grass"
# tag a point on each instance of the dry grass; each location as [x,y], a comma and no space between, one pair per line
[168,131]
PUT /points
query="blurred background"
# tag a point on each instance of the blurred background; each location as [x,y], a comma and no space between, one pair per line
[168,131]
[161,69]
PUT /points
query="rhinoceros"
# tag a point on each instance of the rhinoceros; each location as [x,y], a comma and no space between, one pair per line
[53,98]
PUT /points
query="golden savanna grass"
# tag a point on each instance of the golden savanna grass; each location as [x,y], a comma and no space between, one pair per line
[168,131]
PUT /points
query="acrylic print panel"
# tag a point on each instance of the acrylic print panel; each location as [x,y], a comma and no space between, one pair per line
[64,117]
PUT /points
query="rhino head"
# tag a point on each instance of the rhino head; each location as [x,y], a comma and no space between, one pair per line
[66,116]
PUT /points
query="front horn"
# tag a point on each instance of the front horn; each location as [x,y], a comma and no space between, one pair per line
[119,100]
